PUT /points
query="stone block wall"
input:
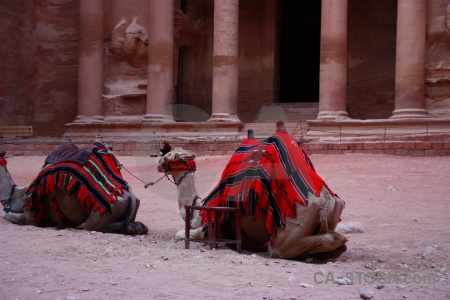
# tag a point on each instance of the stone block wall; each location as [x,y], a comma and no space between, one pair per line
[39,147]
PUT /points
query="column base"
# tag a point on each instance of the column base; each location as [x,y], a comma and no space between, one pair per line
[151,118]
[332,115]
[224,117]
[89,119]
[409,113]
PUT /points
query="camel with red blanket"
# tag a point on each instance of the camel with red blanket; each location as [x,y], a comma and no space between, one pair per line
[286,208]
[79,188]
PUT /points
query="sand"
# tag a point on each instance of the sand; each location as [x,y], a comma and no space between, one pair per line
[397,215]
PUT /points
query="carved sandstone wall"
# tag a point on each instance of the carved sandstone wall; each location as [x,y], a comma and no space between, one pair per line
[17,52]
[39,50]
[126,45]
[39,59]
[438,59]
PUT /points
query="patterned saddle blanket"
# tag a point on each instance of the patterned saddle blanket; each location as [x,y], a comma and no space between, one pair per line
[270,176]
[90,173]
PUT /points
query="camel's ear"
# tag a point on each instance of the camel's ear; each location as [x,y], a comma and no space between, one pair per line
[177,156]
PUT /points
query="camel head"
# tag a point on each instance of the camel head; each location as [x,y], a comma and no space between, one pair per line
[11,196]
[177,160]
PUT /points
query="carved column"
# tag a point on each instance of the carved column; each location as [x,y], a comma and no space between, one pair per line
[410,59]
[333,60]
[90,65]
[160,62]
[225,61]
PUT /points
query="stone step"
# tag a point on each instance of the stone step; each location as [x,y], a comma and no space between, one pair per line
[44,146]
[263,130]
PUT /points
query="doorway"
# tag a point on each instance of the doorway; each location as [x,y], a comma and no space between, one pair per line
[299,52]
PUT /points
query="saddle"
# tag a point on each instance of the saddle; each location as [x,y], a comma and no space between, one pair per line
[271,177]
[90,173]
[71,152]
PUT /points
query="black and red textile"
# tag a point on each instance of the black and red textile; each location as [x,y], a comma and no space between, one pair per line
[270,176]
[96,182]
[182,164]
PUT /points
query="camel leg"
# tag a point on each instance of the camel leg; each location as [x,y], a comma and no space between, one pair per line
[136,207]
[297,237]
[323,242]
[320,243]
[193,233]
[327,206]
[108,222]
[99,223]
[336,215]
[286,243]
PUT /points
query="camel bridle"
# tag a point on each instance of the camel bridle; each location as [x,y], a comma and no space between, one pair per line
[186,164]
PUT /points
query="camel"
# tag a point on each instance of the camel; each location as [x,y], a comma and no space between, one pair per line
[49,201]
[309,232]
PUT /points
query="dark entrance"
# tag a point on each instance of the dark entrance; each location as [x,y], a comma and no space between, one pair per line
[299,59]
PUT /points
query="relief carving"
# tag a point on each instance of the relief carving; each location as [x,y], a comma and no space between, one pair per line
[129,42]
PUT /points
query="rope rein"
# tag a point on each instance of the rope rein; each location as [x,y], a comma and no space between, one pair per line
[13,195]
[146,184]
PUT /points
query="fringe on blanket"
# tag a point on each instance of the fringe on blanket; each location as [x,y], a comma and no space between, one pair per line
[97,184]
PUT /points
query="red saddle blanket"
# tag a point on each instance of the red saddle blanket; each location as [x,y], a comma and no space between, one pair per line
[270,176]
[95,179]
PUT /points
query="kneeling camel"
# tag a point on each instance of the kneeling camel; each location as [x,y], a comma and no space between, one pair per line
[286,207]
[80,188]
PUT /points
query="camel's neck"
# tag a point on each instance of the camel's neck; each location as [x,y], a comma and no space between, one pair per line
[187,194]
[6,183]
[186,189]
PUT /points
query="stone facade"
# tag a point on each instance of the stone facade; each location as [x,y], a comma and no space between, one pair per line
[75,66]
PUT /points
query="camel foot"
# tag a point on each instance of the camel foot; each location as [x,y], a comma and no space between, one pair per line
[81,227]
[180,235]
[325,256]
[193,234]
[137,228]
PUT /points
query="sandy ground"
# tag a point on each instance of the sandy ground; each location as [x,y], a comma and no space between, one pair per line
[401,203]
